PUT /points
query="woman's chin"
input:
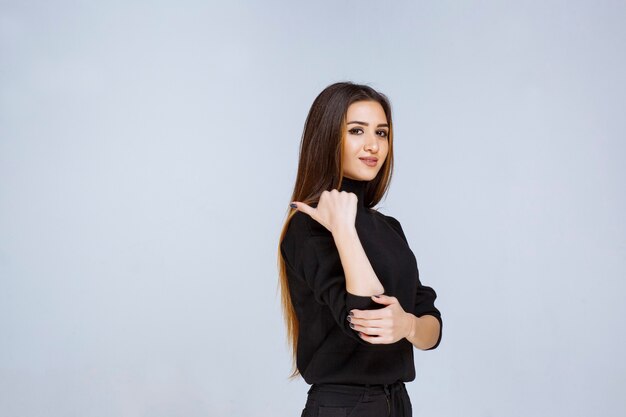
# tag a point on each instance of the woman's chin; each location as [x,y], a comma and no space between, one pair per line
[361,176]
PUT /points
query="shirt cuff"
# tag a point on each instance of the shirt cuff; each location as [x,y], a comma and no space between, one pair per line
[361,302]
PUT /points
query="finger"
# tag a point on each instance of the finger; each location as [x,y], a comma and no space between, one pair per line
[369,314]
[370,331]
[375,340]
[377,314]
[303,207]
[367,323]
[384,299]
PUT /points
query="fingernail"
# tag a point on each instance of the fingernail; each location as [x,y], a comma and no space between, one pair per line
[349,318]
[293,205]
[351,314]
[352,325]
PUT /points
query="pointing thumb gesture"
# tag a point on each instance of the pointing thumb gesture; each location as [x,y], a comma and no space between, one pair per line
[303,207]
[335,209]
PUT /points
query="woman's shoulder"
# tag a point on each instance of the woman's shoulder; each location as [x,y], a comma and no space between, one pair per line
[391,221]
[303,226]
[302,237]
[385,217]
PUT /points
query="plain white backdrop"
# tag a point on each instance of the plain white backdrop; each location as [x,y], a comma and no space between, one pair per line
[147,156]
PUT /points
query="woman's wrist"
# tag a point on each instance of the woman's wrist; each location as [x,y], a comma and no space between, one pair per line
[412,323]
[344,231]
[424,331]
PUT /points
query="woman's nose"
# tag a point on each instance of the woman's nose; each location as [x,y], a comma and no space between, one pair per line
[371,144]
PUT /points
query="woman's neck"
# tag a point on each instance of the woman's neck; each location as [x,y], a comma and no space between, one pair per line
[354,186]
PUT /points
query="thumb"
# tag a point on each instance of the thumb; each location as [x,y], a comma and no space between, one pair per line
[303,207]
[384,299]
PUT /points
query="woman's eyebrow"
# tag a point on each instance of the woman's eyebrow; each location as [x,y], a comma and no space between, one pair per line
[367,124]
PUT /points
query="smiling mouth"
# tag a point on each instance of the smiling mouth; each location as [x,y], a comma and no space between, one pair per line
[369,161]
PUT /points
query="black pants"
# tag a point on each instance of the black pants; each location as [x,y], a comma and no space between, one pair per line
[335,400]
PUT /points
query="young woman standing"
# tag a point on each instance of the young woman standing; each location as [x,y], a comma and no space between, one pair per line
[351,294]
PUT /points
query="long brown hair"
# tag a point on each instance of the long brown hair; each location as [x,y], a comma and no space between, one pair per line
[320,168]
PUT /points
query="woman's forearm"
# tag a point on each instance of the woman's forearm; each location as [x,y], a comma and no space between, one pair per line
[360,276]
[424,331]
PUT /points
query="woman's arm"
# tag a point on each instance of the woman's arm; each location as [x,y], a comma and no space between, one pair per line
[392,323]
[360,276]
[336,211]
[424,331]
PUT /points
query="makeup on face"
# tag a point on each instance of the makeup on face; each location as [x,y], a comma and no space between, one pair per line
[366,142]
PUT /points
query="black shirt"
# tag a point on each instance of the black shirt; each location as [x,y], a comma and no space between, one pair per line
[329,351]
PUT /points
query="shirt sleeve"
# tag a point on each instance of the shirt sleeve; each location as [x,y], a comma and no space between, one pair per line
[425,296]
[315,259]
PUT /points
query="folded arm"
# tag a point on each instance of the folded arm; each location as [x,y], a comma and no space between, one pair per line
[392,323]
[336,211]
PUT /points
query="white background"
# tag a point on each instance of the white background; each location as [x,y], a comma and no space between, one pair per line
[148,152]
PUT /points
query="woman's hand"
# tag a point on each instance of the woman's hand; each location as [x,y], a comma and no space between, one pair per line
[384,326]
[335,210]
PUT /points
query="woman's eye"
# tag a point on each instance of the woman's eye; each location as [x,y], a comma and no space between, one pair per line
[355,131]
[383,133]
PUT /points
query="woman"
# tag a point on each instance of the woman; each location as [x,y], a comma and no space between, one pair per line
[351,294]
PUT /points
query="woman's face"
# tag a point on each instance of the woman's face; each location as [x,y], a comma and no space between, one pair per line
[366,143]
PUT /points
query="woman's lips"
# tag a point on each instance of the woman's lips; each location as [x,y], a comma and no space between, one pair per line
[370,162]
